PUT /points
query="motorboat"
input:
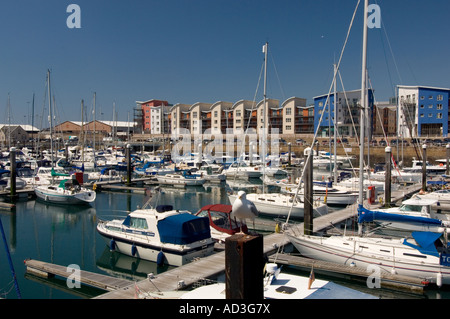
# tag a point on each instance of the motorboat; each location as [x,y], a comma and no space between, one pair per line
[211,175]
[242,171]
[162,235]
[183,180]
[280,285]
[414,214]
[281,205]
[220,221]
[442,196]
[417,166]
[67,192]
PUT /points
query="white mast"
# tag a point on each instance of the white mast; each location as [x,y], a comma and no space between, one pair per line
[265,115]
[363,108]
[50,116]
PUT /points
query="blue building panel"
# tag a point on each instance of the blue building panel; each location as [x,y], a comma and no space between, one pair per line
[433,108]
[321,106]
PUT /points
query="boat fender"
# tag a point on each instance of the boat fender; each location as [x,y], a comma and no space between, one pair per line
[439,279]
[133,250]
[112,245]
[160,259]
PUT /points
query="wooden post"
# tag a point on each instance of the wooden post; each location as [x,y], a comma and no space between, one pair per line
[289,149]
[308,199]
[448,155]
[387,181]
[244,266]
[12,160]
[128,153]
[424,168]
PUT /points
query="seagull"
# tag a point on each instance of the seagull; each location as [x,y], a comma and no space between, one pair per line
[243,208]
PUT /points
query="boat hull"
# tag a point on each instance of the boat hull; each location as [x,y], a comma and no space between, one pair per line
[282,208]
[45,195]
[174,255]
[426,268]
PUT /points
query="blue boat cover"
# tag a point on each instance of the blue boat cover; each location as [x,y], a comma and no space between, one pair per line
[425,242]
[183,229]
[365,215]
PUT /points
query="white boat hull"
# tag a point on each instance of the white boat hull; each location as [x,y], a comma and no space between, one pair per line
[175,255]
[364,252]
[47,195]
[275,205]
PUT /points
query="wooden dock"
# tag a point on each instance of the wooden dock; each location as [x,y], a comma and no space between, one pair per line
[47,270]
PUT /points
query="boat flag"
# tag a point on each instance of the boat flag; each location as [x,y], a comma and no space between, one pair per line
[311,277]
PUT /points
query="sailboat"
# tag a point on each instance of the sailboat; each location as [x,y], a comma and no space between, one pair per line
[426,255]
[67,191]
[277,204]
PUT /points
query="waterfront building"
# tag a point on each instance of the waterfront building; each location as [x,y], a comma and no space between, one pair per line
[10,135]
[221,117]
[347,119]
[385,118]
[200,116]
[152,116]
[179,118]
[422,111]
[297,117]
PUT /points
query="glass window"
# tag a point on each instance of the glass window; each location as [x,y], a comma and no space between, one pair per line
[140,223]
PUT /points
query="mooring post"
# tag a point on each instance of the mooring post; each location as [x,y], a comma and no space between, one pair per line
[448,155]
[308,199]
[12,177]
[244,266]
[387,181]
[424,168]
[128,153]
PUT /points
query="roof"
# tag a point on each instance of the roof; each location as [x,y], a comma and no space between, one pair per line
[422,87]
[25,127]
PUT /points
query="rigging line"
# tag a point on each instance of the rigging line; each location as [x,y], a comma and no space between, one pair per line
[278,77]
[242,149]
[305,165]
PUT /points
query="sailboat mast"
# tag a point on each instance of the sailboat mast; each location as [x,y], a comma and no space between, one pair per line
[363,107]
[95,96]
[265,115]
[335,126]
[50,116]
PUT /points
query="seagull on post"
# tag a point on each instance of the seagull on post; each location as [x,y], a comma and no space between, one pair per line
[243,209]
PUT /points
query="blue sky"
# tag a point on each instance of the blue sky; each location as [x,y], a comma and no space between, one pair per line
[188,51]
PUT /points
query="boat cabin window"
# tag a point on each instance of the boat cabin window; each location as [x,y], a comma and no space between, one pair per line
[411,208]
[136,222]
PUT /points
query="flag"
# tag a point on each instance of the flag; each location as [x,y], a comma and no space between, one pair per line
[311,277]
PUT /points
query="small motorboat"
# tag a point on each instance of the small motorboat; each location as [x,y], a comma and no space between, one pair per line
[162,235]
[220,221]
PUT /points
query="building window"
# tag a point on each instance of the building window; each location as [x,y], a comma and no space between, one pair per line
[194,114]
[430,97]
[439,106]
[422,106]
[288,120]
[430,114]
[422,97]
[288,127]
[439,115]
[422,115]
[288,111]
[238,113]
[430,106]
[440,97]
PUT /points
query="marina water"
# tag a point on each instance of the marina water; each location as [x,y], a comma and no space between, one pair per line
[67,235]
